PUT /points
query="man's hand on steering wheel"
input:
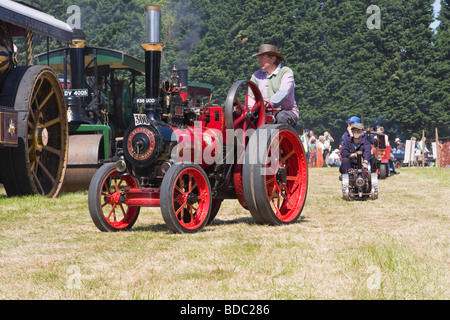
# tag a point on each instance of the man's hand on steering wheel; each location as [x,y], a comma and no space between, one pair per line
[269,107]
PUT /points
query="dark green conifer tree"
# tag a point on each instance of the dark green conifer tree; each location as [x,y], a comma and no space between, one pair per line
[440,73]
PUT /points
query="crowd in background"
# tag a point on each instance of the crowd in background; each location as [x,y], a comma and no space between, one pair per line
[319,153]
[318,149]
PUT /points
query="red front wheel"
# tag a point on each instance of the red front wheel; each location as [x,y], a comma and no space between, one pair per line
[185,198]
[275,175]
[106,200]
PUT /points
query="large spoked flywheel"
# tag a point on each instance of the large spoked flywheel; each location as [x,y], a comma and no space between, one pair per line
[244,113]
[244,107]
[38,164]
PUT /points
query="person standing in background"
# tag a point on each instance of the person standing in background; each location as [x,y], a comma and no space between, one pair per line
[305,143]
[328,139]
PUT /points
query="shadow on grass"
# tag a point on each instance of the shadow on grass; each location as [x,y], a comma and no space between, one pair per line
[161,227]
[248,220]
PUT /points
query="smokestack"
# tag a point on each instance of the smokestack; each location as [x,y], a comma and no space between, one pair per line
[77,59]
[182,78]
[153,49]
[152,23]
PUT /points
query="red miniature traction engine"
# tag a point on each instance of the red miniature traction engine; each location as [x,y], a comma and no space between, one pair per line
[187,158]
[381,154]
[360,183]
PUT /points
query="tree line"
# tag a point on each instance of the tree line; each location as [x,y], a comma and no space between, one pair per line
[376,59]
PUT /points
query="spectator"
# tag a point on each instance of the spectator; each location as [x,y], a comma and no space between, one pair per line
[312,152]
[399,151]
[305,142]
[420,146]
[391,167]
[311,134]
[418,150]
[320,158]
[350,123]
[400,145]
[333,159]
[412,150]
[380,129]
[328,139]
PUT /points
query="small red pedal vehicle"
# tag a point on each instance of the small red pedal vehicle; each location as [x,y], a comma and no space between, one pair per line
[187,158]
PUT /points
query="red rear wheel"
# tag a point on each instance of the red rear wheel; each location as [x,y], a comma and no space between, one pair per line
[106,201]
[275,175]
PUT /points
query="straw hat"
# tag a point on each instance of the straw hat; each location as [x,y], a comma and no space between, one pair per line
[270,50]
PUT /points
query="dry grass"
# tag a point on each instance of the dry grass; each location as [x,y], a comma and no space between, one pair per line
[396,247]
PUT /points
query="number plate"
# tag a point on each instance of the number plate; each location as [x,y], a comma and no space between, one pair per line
[76,92]
[140,118]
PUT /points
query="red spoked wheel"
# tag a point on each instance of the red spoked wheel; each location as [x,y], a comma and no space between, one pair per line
[106,200]
[244,107]
[185,198]
[275,175]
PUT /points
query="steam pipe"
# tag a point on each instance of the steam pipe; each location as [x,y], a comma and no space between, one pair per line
[153,50]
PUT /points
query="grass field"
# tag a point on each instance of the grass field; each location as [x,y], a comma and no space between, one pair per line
[396,247]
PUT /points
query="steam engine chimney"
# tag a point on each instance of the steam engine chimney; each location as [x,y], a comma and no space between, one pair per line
[77,59]
[153,49]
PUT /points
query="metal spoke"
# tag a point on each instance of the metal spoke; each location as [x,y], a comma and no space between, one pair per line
[47,173]
[43,102]
[51,122]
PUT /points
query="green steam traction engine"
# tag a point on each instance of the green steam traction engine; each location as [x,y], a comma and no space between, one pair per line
[53,138]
